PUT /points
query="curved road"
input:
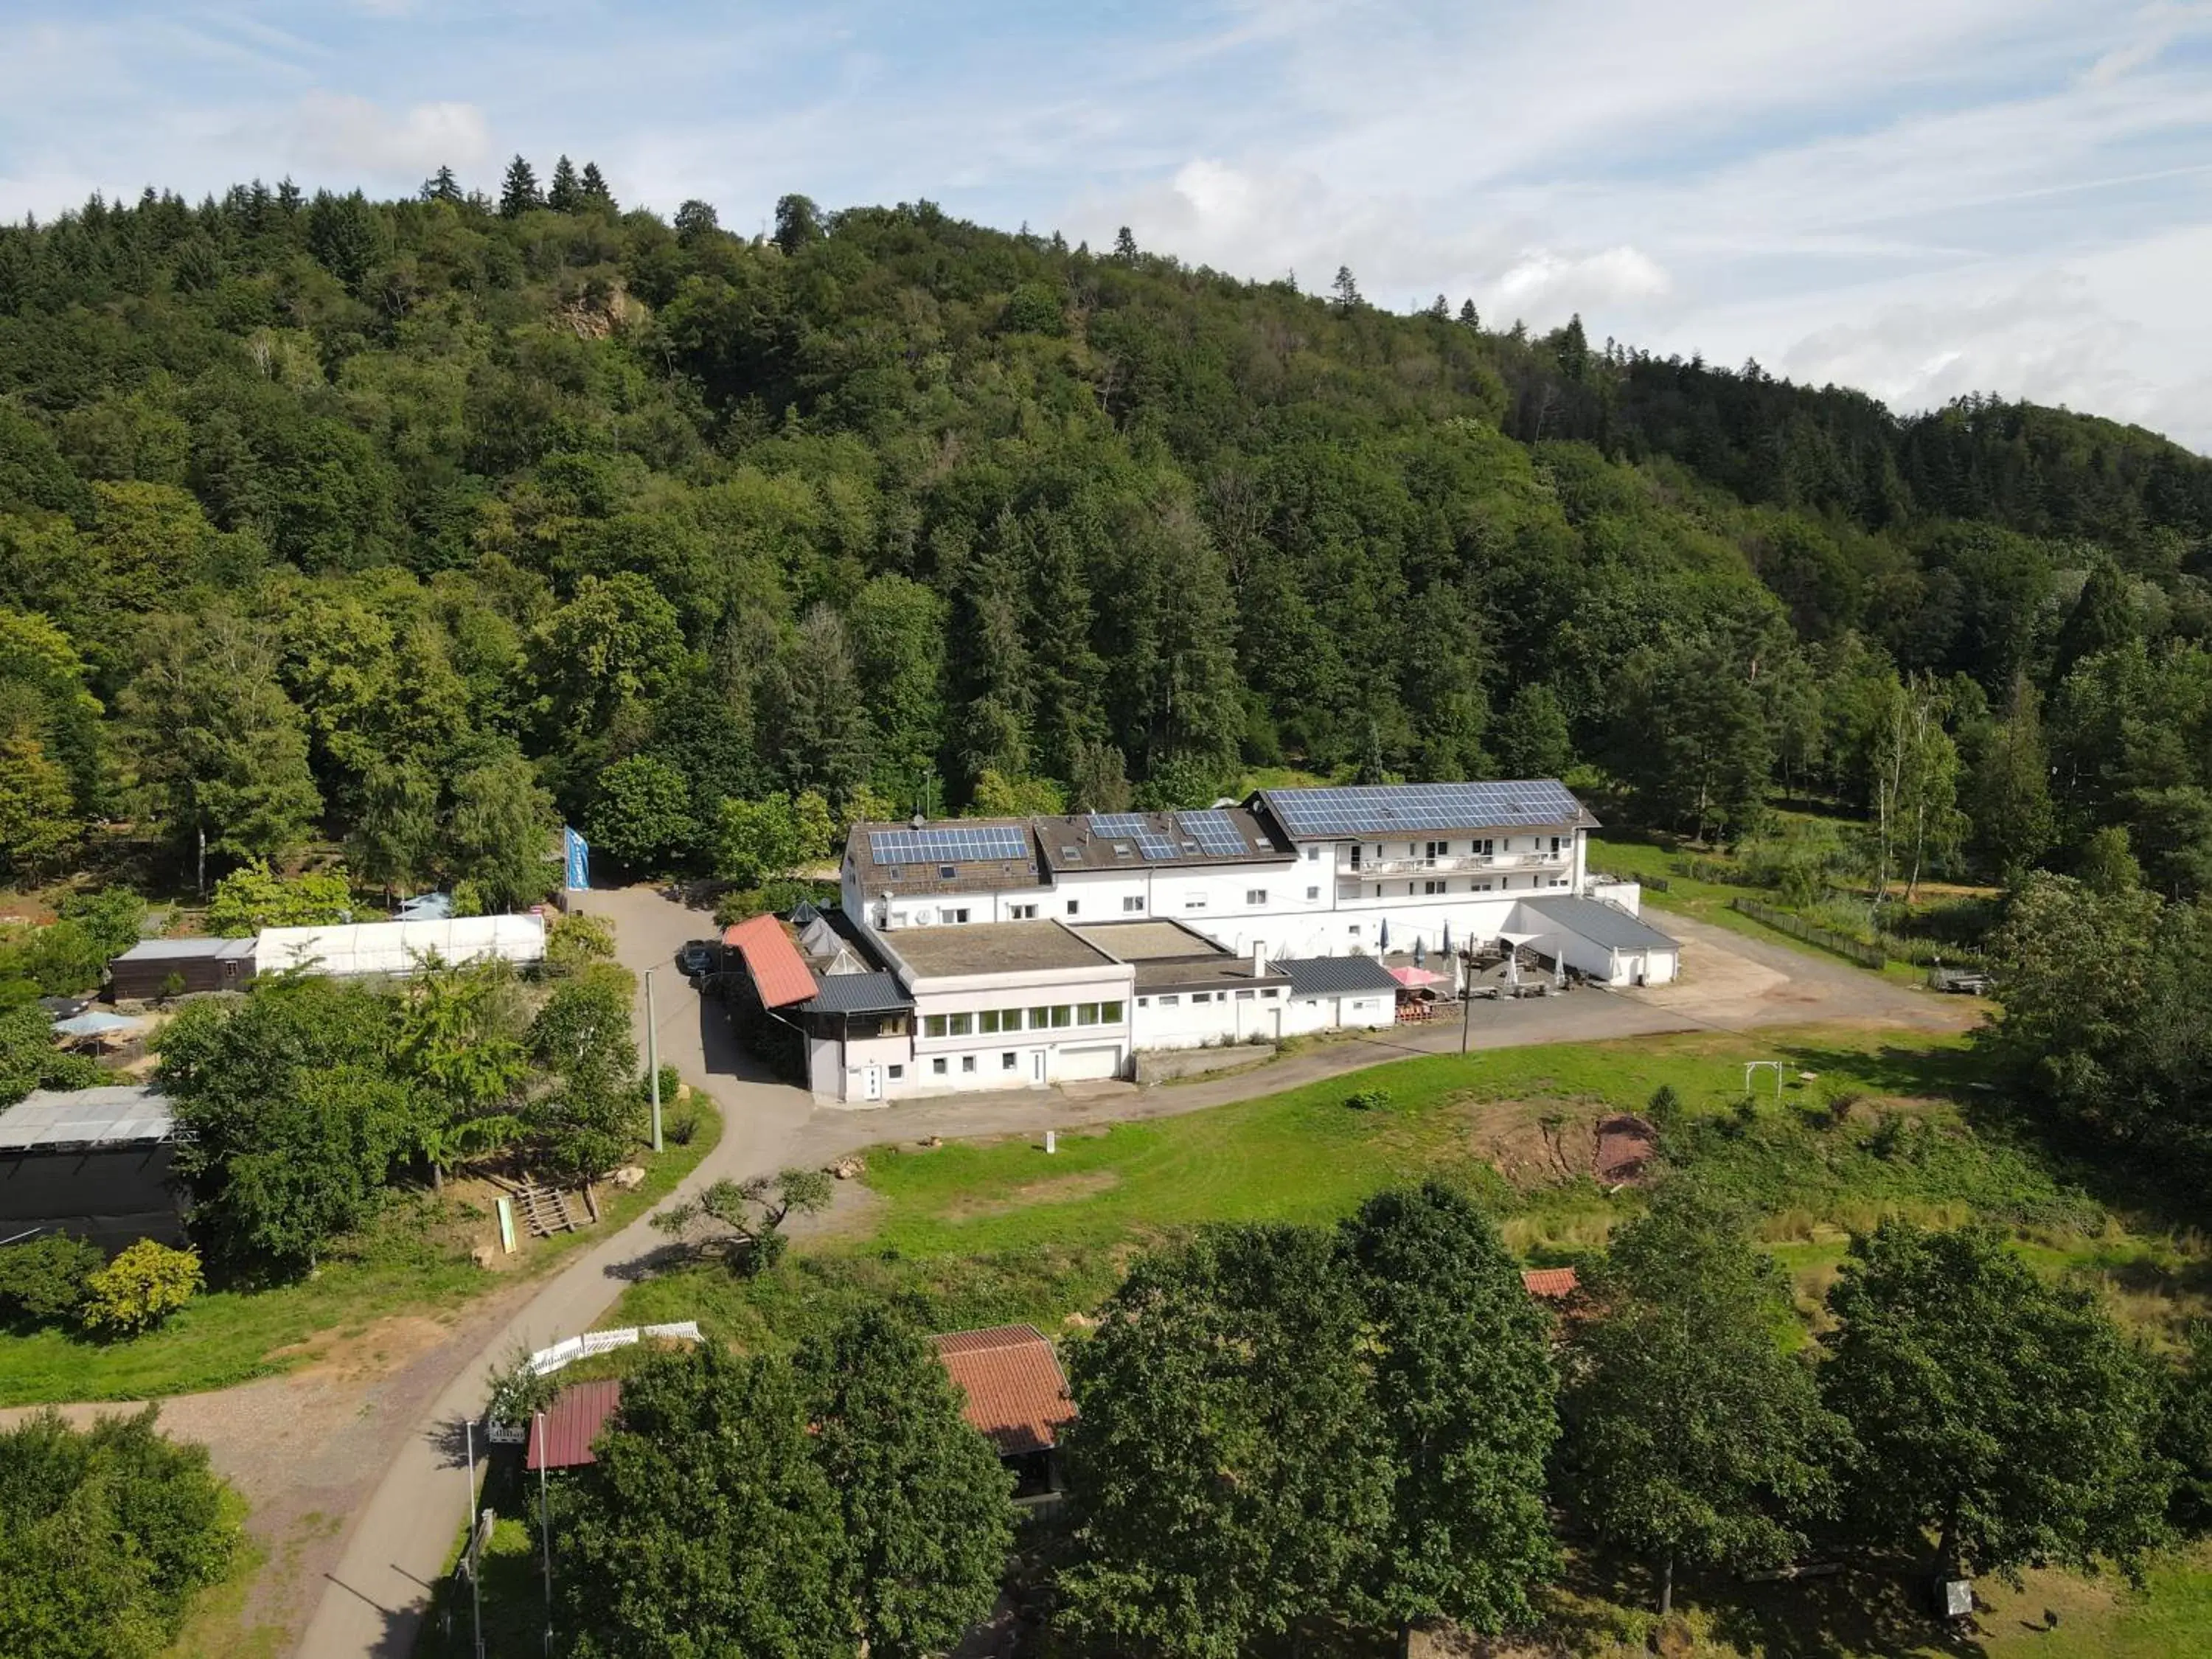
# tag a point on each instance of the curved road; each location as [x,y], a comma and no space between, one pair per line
[380,1588]
[377,1593]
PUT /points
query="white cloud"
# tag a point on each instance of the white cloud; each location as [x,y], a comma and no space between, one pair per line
[338,131]
[1547,279]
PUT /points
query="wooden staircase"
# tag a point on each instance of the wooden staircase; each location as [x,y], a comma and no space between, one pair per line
[545,1210]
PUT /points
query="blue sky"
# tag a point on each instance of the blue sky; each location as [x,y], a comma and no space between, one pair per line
[1921,197]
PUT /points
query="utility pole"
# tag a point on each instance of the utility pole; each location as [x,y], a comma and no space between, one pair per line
[1466,1004]
[652,1057]
[475,1553]
[545,1531]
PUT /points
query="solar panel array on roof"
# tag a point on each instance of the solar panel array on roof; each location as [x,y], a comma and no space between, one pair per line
[1385,809]
[1117,826]
[948,844]
[1214,832]
[1152,844]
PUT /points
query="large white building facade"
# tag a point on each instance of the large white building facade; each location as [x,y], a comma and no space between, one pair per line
[987,954]
[1294,873]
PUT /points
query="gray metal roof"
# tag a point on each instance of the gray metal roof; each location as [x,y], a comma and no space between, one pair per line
[1600,923]
[1337,976]
[196,950]
[114,1115]
[858,993]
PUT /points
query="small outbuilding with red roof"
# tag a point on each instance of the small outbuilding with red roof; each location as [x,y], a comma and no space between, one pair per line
[1017,1398]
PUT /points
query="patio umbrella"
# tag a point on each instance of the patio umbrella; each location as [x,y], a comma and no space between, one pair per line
[1384,940]
[95,1023]
[1448,950]
[1421,953]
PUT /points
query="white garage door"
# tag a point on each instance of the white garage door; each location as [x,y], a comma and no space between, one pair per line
[1078,1065]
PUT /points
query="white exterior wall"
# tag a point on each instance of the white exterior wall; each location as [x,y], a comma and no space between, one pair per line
[1315,906]
[1234,1014]
[1370,1010]
[1039,1052]
[842,1070]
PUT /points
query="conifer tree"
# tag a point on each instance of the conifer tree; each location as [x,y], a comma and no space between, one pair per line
[1345,289]
[565,195]
[1070,676]
[441,186]
[1125,244]
[593,187]
[1469,315]
[991,667]
[518,192]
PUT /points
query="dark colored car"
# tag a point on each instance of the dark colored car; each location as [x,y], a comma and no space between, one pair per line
[699,958]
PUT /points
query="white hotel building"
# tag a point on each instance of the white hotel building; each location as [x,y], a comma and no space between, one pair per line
[979,954]
[1294,873]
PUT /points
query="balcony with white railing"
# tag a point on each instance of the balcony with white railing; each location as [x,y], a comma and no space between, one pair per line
[1462,864]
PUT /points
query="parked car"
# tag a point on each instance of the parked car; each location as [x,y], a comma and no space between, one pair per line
[699,958]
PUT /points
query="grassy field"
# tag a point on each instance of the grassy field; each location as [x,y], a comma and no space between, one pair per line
[416,1257]
[980,1232]
[974,1232]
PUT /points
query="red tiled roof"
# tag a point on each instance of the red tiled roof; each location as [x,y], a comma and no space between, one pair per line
[1017,1394]
[1552,1284]
[562,1438]
[779,974]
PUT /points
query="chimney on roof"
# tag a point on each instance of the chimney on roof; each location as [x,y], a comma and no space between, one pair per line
[1259,958]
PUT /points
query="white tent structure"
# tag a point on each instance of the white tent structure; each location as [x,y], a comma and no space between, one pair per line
[399,947]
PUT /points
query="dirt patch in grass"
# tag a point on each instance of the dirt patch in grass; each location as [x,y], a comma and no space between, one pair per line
[1538,1143]
[1058,1189]
[1627,1146]
[363,1354]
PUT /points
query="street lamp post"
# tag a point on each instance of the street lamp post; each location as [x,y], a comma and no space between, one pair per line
[652,1057]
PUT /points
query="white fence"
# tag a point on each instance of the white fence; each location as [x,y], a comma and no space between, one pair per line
[546,1361]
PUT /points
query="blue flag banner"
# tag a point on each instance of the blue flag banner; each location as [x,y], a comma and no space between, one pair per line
[578,854]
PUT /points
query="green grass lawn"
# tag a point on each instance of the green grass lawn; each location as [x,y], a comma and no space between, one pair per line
[978,1232]
[414,1259]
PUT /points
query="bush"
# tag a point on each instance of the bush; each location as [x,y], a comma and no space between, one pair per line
[518,1392]
[140,1288]
[577,941]
[776,898]
[45,1279]
[252,898]
[1369,1100]
[105,1534]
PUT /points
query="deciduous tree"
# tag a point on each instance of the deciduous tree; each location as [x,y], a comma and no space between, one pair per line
[927,1519]
[1691,1435]
[706,1525]
[1464,1395]
[1230,1479]
[2007,1417]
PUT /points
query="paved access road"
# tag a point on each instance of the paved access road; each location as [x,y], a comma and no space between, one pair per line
[397,1542]
[379,1585]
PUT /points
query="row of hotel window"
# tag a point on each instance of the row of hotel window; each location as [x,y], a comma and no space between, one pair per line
[1255,897]
[992,1020]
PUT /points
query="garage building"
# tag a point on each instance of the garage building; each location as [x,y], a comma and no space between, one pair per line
[1599,940]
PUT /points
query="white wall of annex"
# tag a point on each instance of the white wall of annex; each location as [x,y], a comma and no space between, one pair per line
[1226,1016]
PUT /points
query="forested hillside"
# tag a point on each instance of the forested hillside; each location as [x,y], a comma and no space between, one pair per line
[414,523]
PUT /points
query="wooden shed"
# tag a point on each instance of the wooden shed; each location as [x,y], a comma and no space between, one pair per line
[164,967]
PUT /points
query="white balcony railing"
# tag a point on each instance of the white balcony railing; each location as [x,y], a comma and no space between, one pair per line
[1459,864]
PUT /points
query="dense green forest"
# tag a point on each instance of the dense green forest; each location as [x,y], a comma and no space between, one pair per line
[415,524]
